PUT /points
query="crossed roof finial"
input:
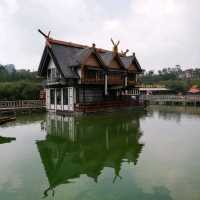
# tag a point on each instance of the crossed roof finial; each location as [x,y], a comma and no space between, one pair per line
[115,45]
[45,35]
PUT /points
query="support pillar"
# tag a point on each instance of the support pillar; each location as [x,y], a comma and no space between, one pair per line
[126,81]
[106,85]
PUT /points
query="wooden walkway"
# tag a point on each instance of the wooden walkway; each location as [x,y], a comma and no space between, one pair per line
[106,105]
[23,105]
[171,99]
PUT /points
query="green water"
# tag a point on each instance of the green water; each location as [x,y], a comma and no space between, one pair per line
[120,156]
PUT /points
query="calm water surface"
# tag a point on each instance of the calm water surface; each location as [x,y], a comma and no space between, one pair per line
[120,156]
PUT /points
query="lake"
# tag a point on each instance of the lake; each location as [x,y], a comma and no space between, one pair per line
[152,155]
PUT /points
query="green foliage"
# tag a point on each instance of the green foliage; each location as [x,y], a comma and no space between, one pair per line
[20,90]
[166,74]
[195,82]
[178,85]
[19,84]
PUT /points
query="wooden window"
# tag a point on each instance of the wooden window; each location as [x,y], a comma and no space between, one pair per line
[101,75]
[65,96]
[58,75]
[53,73]
[49,74]
[131,77]
[52,96]
[91,74]
[58,96]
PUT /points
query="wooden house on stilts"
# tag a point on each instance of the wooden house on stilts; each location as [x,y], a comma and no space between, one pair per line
[80,78]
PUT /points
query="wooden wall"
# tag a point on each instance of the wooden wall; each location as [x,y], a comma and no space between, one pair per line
[91,94]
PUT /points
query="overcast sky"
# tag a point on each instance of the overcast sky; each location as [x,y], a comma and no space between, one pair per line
[163,33]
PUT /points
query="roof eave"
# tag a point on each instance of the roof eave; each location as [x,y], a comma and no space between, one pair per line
[44,60]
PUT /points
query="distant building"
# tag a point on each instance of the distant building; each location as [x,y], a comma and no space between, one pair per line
[153,90]
[81,78]
[194,90]
[193,74]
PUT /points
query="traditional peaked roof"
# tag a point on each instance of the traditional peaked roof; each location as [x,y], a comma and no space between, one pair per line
[63,59]
[67,55]
[109,56]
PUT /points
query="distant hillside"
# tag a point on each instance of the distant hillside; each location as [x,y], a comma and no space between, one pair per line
[8,73]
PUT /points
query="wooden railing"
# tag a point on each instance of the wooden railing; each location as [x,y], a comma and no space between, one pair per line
[115,80]
[111,81]
[93,81]
[170,98]
[131,82]
[22,104]
[152,86]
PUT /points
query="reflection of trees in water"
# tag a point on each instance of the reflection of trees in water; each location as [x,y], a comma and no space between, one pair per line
[86,145]
[170,115]
[174,112]
[23,119]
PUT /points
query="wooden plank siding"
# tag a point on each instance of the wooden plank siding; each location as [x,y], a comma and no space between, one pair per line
[104,105]
[92,61]
[114,64]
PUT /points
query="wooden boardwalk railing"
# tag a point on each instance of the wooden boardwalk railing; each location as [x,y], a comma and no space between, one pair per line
[21,104]
[171,99]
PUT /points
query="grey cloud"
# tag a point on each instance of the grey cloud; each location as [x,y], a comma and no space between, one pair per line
[162,33]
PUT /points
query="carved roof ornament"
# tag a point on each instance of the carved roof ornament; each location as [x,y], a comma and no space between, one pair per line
[124,52]
[94,46]
[46,36]
[115,45]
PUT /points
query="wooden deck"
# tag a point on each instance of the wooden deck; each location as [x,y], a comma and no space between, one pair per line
[21,105]
[171,99]
[106,105]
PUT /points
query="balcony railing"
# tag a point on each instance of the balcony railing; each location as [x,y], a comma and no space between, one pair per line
[115,81]
[93,80]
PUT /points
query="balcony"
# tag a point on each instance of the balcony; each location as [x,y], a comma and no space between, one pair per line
[93,77]
[54,81]
[94,80]
[115,80]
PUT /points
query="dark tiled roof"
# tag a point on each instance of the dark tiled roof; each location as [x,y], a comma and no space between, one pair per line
[107,57]
[66,58]
[127,61]
[82,54]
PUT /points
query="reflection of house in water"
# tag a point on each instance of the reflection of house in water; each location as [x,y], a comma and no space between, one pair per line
[77,146]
